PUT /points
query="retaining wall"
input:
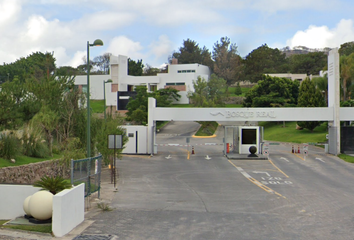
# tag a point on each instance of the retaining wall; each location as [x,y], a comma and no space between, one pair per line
[28,174]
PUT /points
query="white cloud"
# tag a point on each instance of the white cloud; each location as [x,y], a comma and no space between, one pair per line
[322,36]
[75,61]
[273,6]
[124,46]
[161,47]
[9,11]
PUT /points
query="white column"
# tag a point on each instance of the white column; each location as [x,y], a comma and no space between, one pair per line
[151,123]
[334,93]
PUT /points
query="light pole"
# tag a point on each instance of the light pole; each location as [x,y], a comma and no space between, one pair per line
[97,42]
[104,95]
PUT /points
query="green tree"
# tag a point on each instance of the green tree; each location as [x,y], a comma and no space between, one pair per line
[346,73]
[48,121]
[309,96]
[227,62]
[273,92]
[346,48]
[190,52]
[238,90]
[207,93]
[322,84]
[151,71]
[137,107]
[310,63]
[135,68]
[264,60]
[110,126]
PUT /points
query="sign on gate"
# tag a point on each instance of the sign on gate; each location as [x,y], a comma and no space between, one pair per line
[266,149]
[306,148]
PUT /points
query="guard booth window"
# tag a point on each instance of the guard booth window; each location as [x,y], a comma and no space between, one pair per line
[249,136]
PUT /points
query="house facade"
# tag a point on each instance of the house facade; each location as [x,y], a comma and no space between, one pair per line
[179,76]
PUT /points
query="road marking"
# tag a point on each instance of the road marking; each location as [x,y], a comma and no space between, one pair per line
[285,159]
[207,157]
[168,157]
[299,156]
[188,155]
[262,172]
[277,168]
[320,159]
[254,181]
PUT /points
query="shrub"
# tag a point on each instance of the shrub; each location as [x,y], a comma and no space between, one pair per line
[9,145]
[33,143]
[52,184]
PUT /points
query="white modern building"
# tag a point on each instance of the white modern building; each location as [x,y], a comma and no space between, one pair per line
[179,76]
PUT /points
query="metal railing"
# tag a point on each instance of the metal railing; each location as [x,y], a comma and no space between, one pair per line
[88,171]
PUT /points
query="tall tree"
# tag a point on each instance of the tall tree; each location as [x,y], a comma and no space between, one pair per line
[135,68]
[310,63]
[137,107]
[102,62]
[264,60]
[190,52]
[273,92]
[227,62]
[207,93]
[346,48]
[346,73]
[309,96]
[322,84]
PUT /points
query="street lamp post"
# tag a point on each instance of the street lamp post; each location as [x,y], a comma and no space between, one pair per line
[97,42]
[104,95]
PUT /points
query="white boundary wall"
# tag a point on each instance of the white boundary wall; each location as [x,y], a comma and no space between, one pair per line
[68,210]
[12,198]
[68,206]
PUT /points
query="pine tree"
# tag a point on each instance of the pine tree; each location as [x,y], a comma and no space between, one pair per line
[238,90]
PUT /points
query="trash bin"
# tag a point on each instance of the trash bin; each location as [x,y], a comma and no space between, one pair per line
[326,148]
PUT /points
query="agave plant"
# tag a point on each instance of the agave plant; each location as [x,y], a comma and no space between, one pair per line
[52,184]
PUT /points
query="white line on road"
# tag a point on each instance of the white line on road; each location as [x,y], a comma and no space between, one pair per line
[320,159]
[207,157]
[285,159]
[168,157]
[262,172]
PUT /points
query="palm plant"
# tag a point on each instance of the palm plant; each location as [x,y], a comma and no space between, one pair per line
[52,184]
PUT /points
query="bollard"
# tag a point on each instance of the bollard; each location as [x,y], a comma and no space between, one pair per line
[292,149]
[298,149]
[192,149]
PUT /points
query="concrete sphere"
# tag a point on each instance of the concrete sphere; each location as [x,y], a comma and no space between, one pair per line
[26,207]
[41,205]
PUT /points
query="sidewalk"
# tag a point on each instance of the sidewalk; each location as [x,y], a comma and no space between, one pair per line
[106,195]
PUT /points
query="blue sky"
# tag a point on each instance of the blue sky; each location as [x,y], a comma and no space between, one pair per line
[152,30]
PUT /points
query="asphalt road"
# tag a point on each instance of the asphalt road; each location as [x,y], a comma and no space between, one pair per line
[175,195]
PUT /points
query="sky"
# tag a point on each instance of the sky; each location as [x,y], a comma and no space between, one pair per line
[152,30]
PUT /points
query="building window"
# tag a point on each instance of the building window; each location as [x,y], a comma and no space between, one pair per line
[186,71]
[174,84]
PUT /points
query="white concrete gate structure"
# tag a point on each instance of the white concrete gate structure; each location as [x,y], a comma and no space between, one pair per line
[333,113]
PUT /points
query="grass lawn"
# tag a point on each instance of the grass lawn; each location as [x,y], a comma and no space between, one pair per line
[22,160]
[232,91]
[276,132]
[32,228]
[97,106]
[207,128]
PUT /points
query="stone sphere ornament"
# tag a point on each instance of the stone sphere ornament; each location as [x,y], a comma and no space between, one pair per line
[41,205]
[26,206]
[252,150]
